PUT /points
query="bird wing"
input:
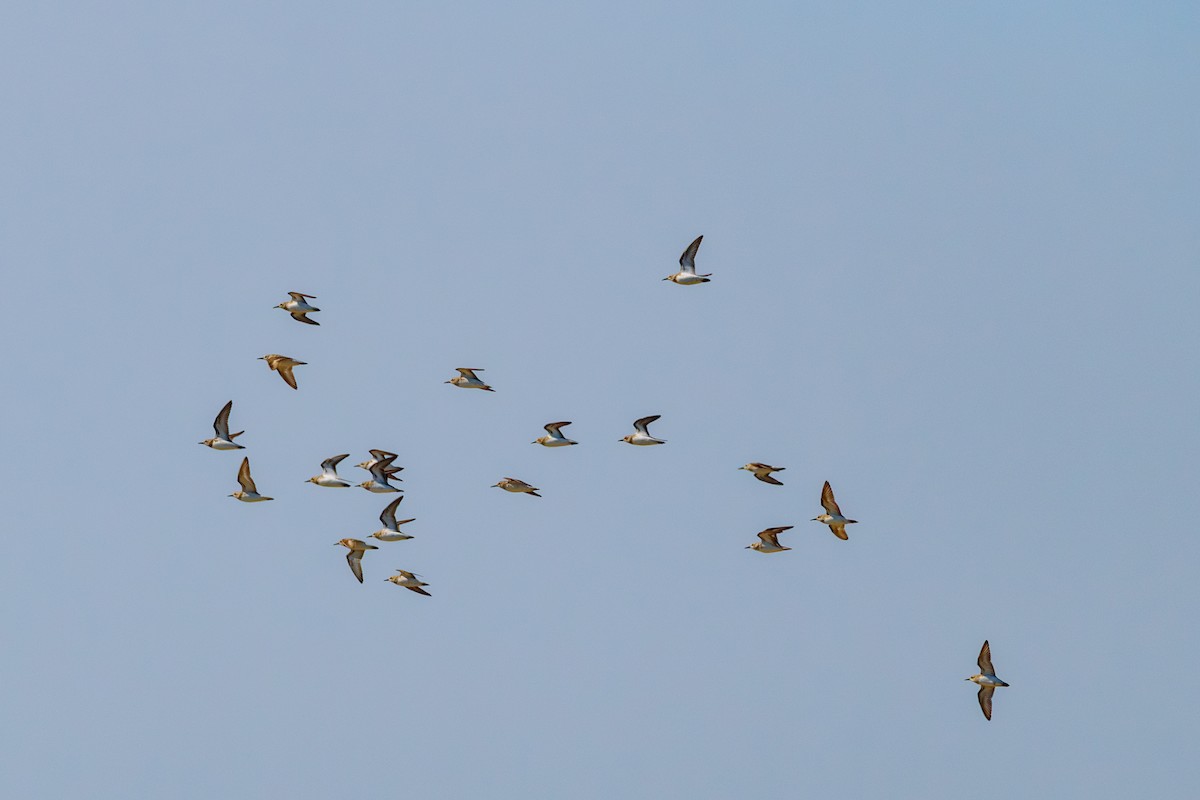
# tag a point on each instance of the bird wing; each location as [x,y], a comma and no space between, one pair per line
[418,590]
[285,372]
[297,295]
[828,502]
[839,530]
[985,700]
[468,372]
[388,517]
[985,660]
[642,424]
[765,478]
[379,467]
[379,455]
[221,423]
[330,464]
[299,317]
[552,428]
[354,559]
[244,477]
[687,261]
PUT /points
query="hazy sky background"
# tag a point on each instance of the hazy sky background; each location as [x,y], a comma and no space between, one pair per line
[955,257]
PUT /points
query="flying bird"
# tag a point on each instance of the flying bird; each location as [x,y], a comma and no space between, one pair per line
[249,492]
[770,540]
[380,477]
[298,308]
[224,439]
[283,365]
[554,436]
[467,379]
[377,456]
[354,558]
[516,486]
[986,679]
[409,581]
[329,476]
[641,435]
[390,532]
[833,515]
[687,267]
[763,472]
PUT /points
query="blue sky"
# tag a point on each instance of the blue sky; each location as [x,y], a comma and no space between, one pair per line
[954,255]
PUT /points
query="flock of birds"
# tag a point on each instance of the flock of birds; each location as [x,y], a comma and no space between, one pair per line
[382,471]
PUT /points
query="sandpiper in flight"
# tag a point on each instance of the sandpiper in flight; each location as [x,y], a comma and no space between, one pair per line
[642,436]
[554,436]
[329,476]
[516,486]
[224,439]
[833,515]
[770,540]
[249,492]
[390,532]
[467,379]
[354,558]
[409,581]
[283,365]
[763,472]
[379,478]
[687,267]
[986,679]
[379,455]
[298,308]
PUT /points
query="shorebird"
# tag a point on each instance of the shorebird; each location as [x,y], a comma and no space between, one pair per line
[298,308]
[283,365]
[224,439]
[642,435]
[516,486]
[354,557]
[379,455]
[763,472]
[986,679]
[390,532]
[554,436]
[687,267]
[409,581]
[467,379]
[379,478]
[249,492]
[770,540]
[329,476]
[833,515]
